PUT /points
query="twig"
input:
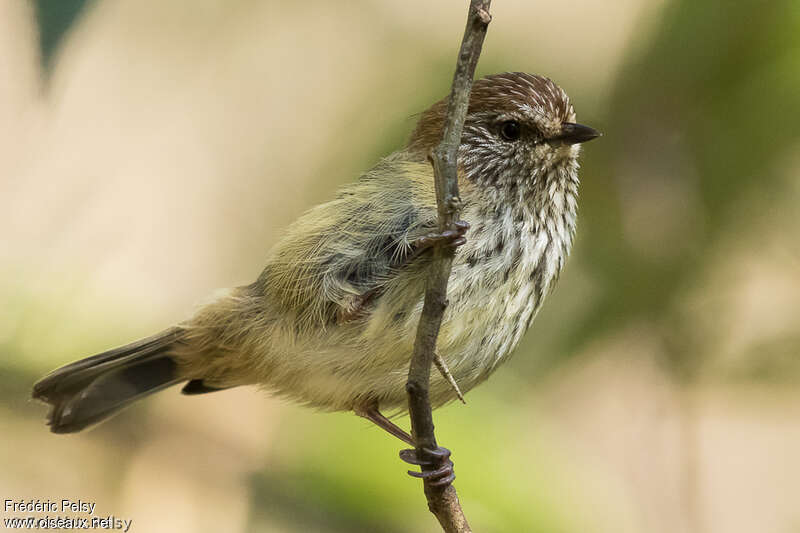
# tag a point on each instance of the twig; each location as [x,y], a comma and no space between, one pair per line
[445,372]
[443,502]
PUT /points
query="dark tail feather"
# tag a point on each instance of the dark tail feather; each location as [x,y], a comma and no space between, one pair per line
[93,389]
[196,386]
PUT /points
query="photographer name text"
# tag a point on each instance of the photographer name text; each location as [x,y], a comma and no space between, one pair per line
[53,508]
[49,506]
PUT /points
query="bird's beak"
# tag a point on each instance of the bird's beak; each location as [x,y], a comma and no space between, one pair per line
[572,133]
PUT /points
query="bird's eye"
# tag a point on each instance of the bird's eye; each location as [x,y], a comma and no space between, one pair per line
[510,130]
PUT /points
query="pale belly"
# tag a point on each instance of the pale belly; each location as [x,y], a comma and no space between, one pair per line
[491,305]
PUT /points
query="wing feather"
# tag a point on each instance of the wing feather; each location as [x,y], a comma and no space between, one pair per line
[353,245]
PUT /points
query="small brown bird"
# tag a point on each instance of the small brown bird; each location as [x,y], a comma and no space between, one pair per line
[331,320]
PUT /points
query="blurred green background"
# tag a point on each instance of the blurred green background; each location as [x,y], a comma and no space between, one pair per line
[152,151]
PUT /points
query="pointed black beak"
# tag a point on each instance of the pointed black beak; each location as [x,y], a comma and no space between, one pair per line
[572,133]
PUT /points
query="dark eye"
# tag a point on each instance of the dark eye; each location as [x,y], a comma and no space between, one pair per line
[510,130]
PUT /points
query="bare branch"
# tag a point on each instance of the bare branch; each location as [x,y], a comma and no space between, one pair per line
[443,502]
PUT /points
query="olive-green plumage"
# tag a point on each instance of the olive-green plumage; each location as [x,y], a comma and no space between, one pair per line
[331,320]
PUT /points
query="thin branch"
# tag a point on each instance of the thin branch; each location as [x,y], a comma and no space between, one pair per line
[445,372]
[443,502]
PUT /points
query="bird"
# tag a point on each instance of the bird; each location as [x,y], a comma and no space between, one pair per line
[331,320]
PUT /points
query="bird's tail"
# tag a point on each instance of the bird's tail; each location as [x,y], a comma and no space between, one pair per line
[90,390]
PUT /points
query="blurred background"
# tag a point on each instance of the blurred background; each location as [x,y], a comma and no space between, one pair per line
[151,152]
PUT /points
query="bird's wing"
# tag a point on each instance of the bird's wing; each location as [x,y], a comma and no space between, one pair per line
[337,256]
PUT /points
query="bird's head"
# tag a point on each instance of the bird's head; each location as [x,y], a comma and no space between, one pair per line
[520,133]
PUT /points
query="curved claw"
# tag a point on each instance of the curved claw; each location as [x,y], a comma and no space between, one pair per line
[461,241]
[451,237]
[440,453]
[410,457]
[444,481]
[445,469]
[440,457]
[437,456]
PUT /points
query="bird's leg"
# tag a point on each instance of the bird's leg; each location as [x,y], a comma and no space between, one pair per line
[357,307]
[370,412]
[445,372]
[451,237]
[440,473]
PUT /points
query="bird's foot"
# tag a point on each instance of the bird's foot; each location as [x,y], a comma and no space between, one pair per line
[440,468]
[452,238]
[437,468]
[358,306]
